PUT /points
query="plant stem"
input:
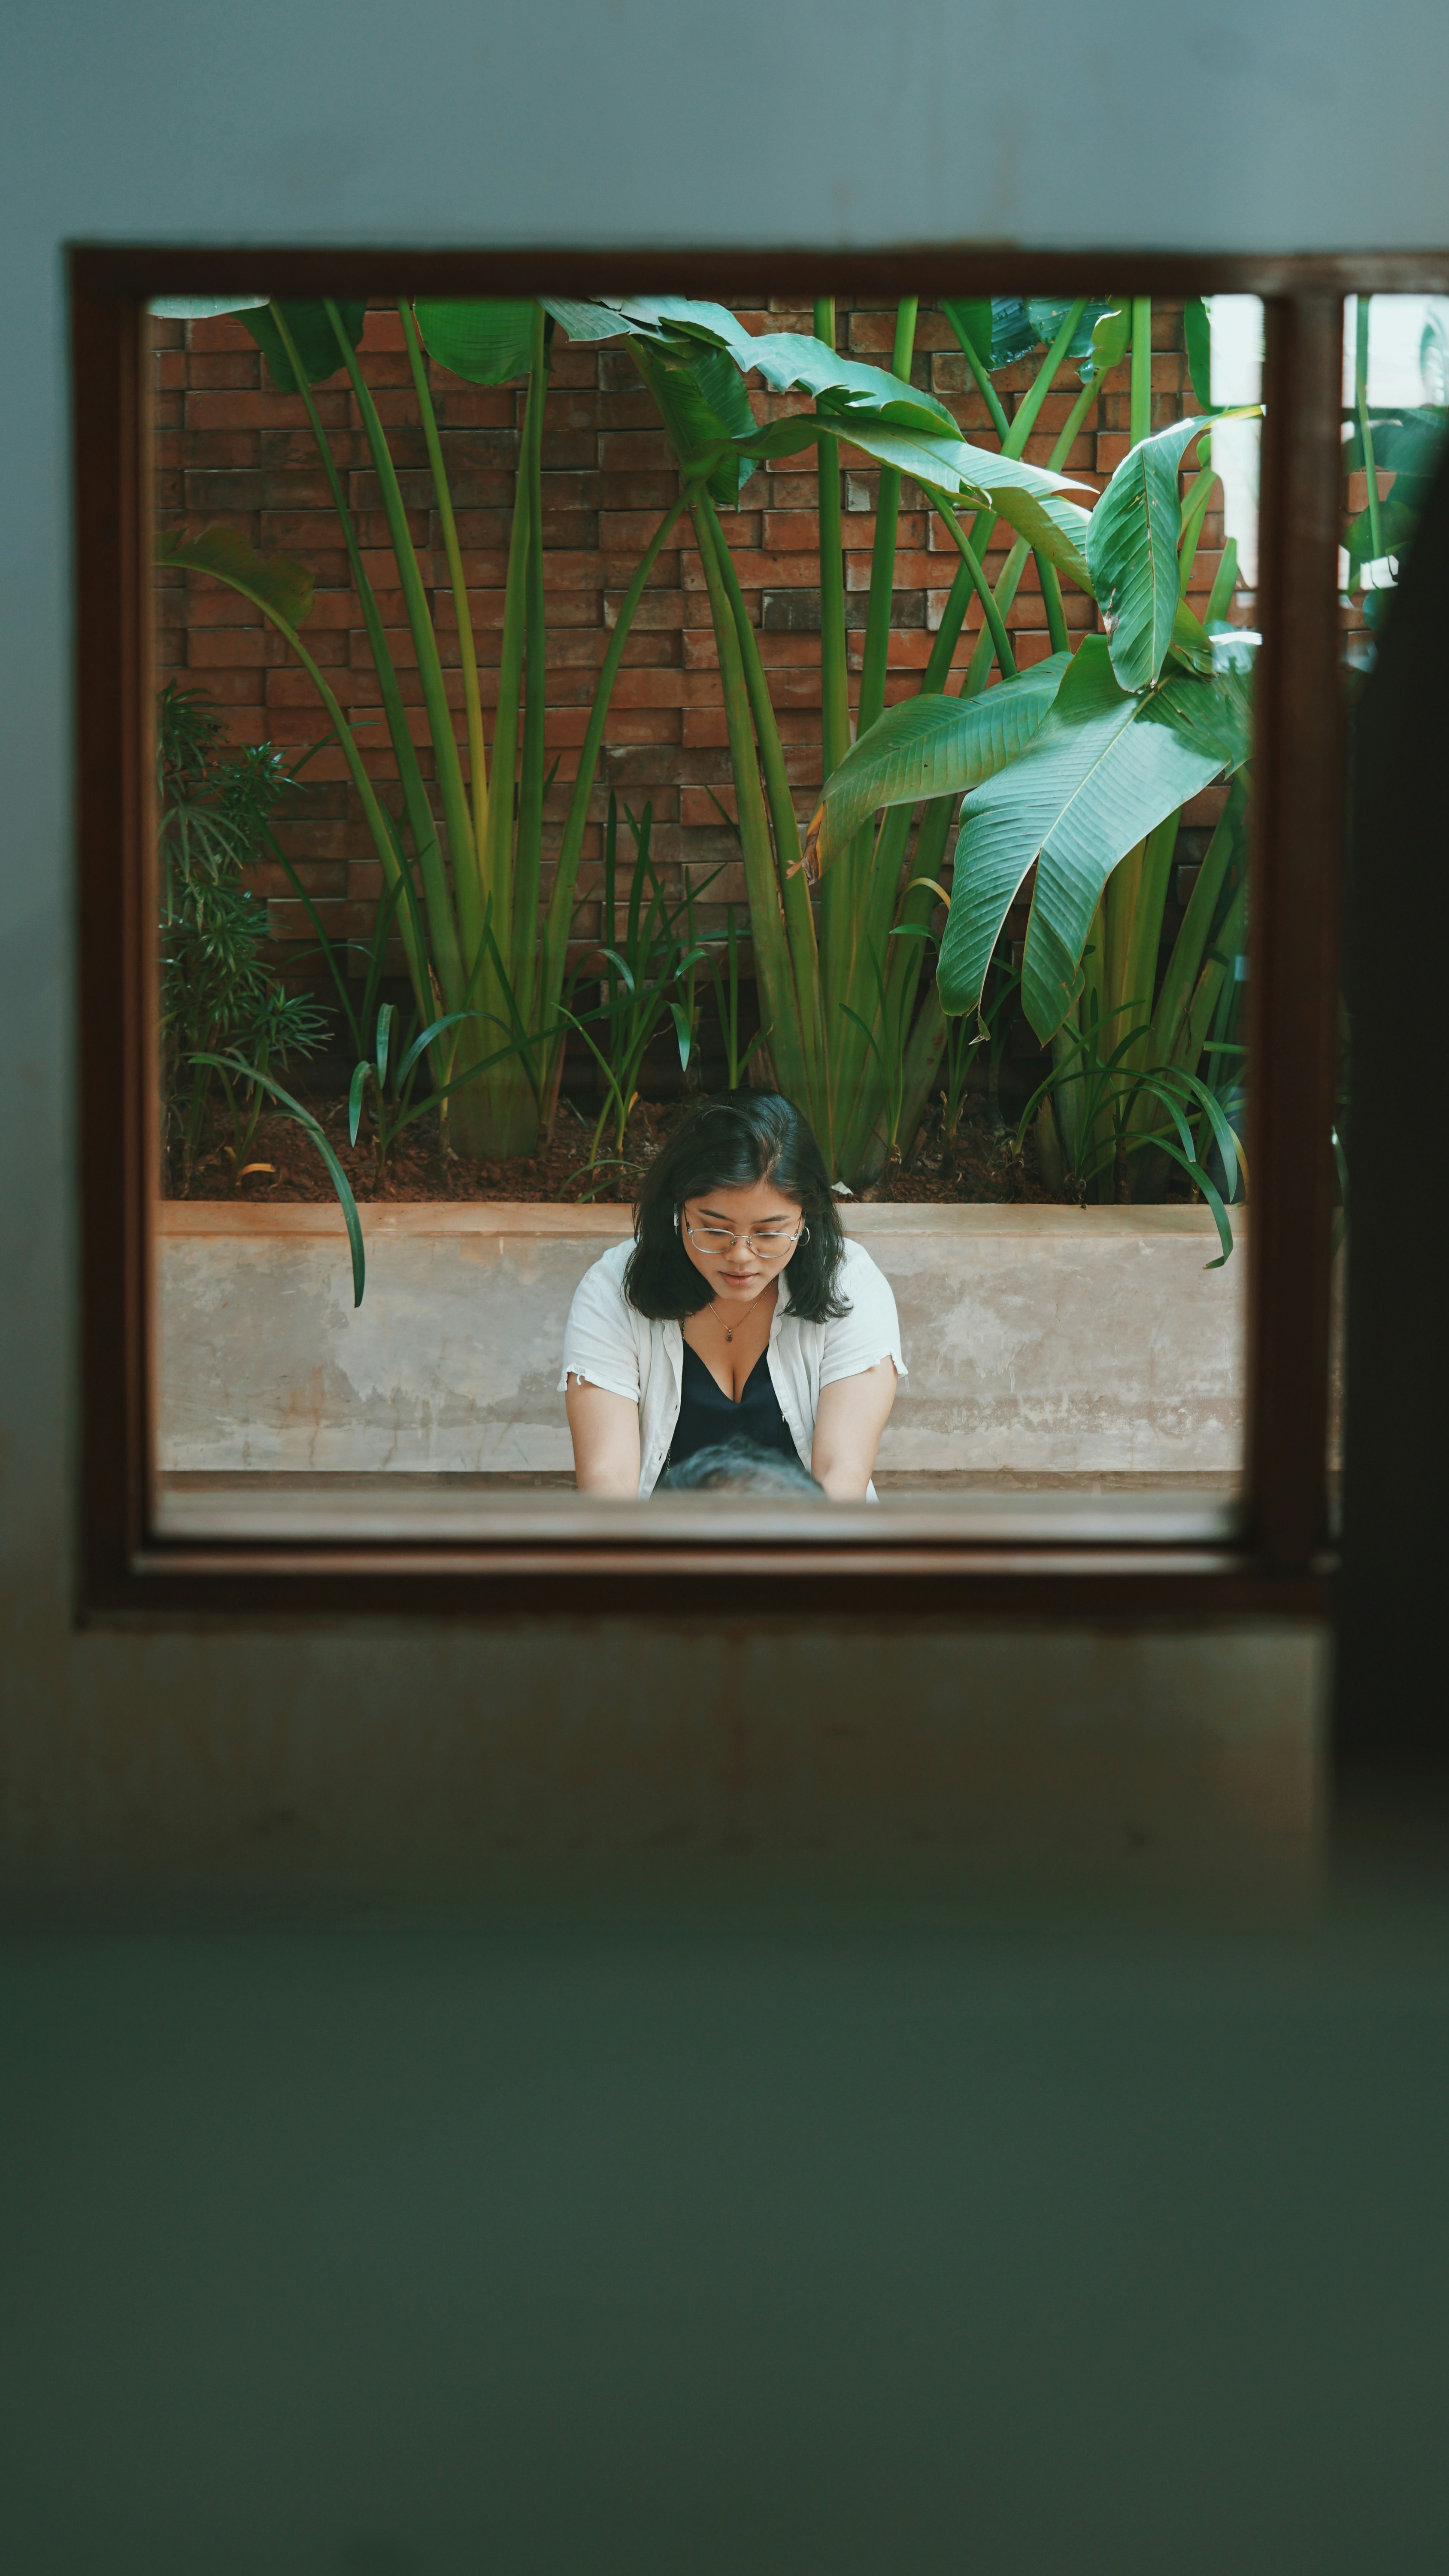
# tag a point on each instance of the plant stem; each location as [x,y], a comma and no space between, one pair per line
[415,800]
[834,676]
[1365,426]
[528,856]
[468,660]
[883,552]
[772,956]
[1141,410]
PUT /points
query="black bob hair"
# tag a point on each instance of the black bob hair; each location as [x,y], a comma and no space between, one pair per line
[730,1145]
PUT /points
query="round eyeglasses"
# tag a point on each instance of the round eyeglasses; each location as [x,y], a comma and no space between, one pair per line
[715,1240]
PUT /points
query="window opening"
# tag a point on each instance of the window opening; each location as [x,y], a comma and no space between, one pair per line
[570,713]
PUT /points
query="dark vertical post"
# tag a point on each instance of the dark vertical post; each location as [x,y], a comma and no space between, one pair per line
[115,911]
[1298,829]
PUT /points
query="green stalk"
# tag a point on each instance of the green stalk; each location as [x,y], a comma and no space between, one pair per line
[1141,412]
[472,700]
[791,878]
[1056,615]
[1210,982]
[430,669]
[1171,1020]
[498,843]
[883,553]
[528,856]
[979,583]
[783,1035]
[850,971]
[929,1033]
[376,820]
[1194,511]
[834,672]
[984,385]
[979,671]
[1365,426]
[415,797]
[561,899]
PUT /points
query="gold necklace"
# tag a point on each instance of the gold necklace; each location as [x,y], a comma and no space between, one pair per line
[729,1330]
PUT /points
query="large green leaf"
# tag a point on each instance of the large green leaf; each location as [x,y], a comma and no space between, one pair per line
[1197,338]
[792,362]
[1396,525]
[705,408]
[1110,334]
[1004,328]
[586,322]
[951,464]
[313,338]
[276,582]
[1051,525]
[1132,552]
[486,343]
[1102,771]
[201,308]
[673,315]
[931,746]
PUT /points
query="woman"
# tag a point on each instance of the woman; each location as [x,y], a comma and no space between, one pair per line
[739,1311]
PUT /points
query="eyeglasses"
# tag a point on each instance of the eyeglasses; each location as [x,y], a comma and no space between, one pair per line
[713,1240]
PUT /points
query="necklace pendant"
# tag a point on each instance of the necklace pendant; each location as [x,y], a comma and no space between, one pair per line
[729,1333]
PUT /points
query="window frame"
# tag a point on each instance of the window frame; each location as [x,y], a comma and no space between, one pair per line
[1280,1561]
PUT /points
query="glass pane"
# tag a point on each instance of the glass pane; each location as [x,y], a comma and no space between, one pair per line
[845,756]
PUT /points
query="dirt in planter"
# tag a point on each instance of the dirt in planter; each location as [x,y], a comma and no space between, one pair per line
[978,1165]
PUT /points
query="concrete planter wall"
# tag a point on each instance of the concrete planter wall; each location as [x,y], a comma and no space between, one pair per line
[1041,1341]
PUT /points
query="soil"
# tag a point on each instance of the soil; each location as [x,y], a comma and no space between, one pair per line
[283,1166]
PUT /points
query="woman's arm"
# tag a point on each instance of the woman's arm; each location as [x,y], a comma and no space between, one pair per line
[605,1433]
[852,1414]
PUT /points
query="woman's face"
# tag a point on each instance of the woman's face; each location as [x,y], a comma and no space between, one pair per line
[740,1268]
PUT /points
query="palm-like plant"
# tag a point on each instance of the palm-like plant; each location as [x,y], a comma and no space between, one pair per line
[465,880]
[1078,771]
[838,995]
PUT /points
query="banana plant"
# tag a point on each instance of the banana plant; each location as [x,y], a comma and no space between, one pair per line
[838,999]
[466,880]
[1075,774]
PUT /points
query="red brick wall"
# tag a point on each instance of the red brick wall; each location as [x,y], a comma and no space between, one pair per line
[230,448]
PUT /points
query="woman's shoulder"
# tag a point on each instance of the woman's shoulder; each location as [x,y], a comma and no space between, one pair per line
[603,1282]
[860,1284]
[859,1275]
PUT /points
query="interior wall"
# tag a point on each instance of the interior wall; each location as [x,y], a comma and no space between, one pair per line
[542,2248]
[635,122]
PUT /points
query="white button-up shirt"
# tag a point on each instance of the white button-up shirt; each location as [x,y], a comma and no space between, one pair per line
[608,1343]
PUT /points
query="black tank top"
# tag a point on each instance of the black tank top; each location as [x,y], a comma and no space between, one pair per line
[708,1416]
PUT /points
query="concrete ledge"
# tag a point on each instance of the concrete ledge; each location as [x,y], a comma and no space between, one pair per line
[1040,1340]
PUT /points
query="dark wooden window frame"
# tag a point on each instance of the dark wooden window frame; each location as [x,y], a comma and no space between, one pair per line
[1279,1562]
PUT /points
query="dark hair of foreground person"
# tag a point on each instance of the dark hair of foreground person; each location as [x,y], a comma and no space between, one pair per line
[738,1467]
[731,1145]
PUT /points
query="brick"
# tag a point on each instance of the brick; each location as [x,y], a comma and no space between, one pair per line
[642,491]
[636,452]
[225,372]
[758,570]
[460,406]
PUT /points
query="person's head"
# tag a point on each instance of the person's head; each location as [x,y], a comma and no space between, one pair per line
[738,1467]
[739,1190]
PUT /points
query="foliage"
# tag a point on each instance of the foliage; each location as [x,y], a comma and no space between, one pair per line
[466,883]
[1405,442]
[1072,777]
[641,971]
[218,994]
[839,1000]
[1076,769]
